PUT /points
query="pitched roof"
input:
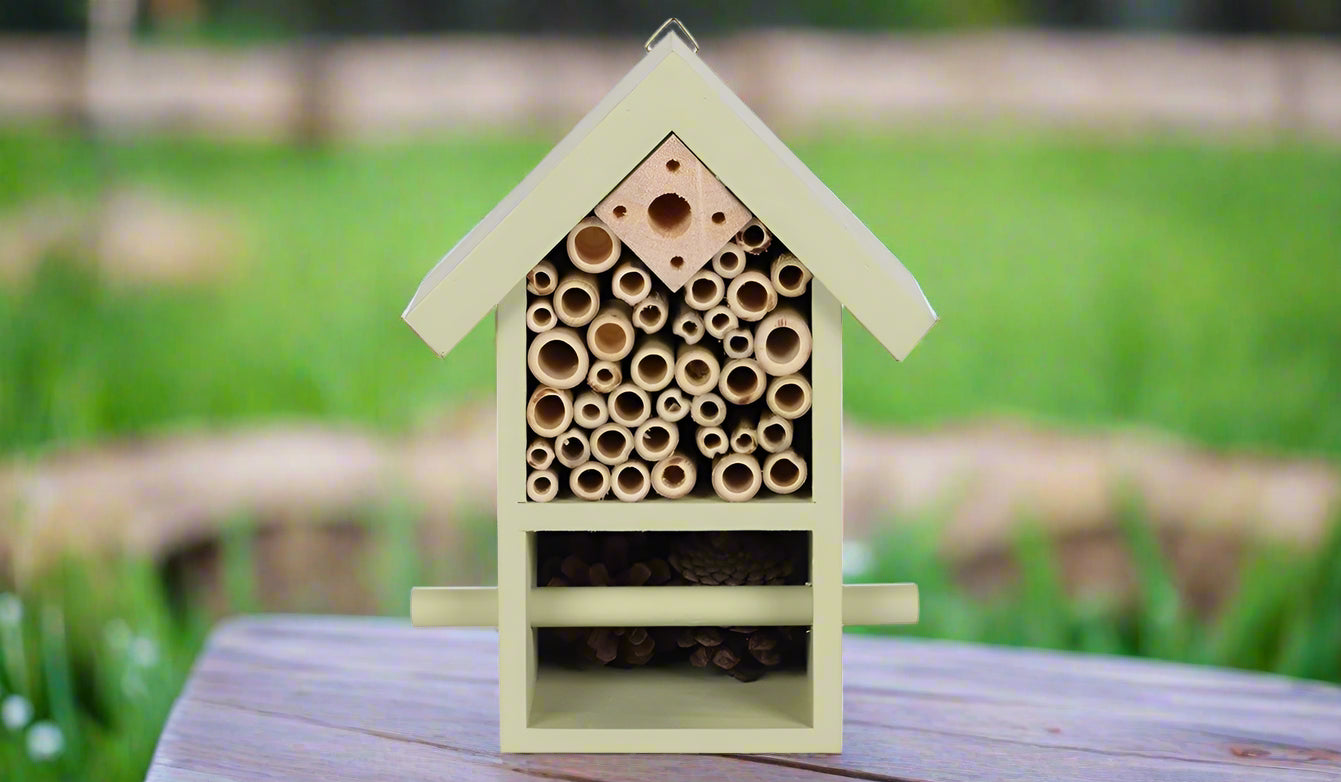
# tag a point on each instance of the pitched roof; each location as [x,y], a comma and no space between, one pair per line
[671,91]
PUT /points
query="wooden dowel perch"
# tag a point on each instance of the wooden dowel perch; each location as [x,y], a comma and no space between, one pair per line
[610,335]
[542,278]
[542,485]
[674,476]
[590,481]
[672,405]
[711,441]
[539,454]
[687,325]
[630,405]
[774,432]
[708,409]
[696,369]
[577,299]
[784,472]
[540,315]
[736,477]
[651,313]
[558,358]
[719,320]
[592,246]
[572,447]
[653,364]
[738,343]
[611,443]
[549,411]
[704,290]
[789,396]
[729,261]
[743,381]
[789,277]
[630,481]
[630,283]
[754,237]
[750,296]
[656,439]
[605,376]
[782,342]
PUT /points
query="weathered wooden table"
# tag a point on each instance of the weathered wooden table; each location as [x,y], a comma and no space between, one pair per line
[306,698]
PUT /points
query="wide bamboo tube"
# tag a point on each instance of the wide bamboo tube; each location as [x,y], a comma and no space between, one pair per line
[674,476]
[577,298]
[605,376]
[610,335]
[629,405]
[743,381]
[539,454]
[744,436]
[611,443]
[720,320]
[656,439]
[592,246]
[729,261]
[542,278]
[774,432]
[589,410]
[687,325]
[590,481]
[630,481]
[754,237]
[736,477]
[542,485]
[785,472]
[704,290]
[549,411]
[653,365]
[651,313]
[707,409]
[558,358]
[696,369]
[782,342]
[630,283]
[789,276]
[711,441]
[540,315]
[751,296]
[572,447]
[789,396]
[738,343]
[672,405]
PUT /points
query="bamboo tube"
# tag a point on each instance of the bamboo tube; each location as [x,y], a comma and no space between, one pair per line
[711,441]
[542,485]
[629,405]
[542,278]
[750,296]
[653,365]
[729,261]
[785,472]
[696,369]
[630,481]
[592,246]
[774,432]
[610,335]
[789,277]
[754,237]
[549,411]
[707,409]
[656,439]
[605,376]
[736,477]
[744,436]
[540,315]
[539,454]
[558,358]
[743,381]
[789,396]
[572,447]
[719,320]
[651,313]
[704,290]
[738,343]
[589,410]
[687,325]
[611,443]
[577,298]
[782,342]
[630,283]
[674,476]
[590,481]
[671,405]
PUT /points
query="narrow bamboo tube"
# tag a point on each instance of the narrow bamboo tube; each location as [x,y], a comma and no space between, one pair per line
[738,343]
[696,369]
[789,396]
[707,409]
[729,261]
[754,237]
[630,405]
[577,298]
[558,358]
[610,335]
[542,485]
[572,447]
[671,405]
[549,411]
[711,441]
[540,315]
[704,290]
[785,472]
[656,439]
[611,443]
[774,432]
[743,381]
[674,476]
[592,246]
[589,410]
[744,436]
[782,342]
[719,320]
[736,477]
[651,313]
[789,276]
[630,283]
[630,481]
[542,278]
[590,481]
[653,365]
[687,325]
[750,296]
[539,454]
[605,376]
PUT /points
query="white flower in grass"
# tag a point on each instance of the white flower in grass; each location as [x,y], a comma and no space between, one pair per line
[144,651]
[11,610]
[45,741]
[16,712]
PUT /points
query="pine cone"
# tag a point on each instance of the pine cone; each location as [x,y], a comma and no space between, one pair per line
[743,652]
[732,558]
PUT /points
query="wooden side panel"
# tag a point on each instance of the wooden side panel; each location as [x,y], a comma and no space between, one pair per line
[516,641]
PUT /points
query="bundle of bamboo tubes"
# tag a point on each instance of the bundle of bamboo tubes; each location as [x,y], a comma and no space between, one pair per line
[637,391]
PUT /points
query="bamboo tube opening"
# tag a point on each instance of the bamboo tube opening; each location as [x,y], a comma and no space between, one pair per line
[742,382]
[631,481]
[652,313]
[542,278]
[589,410]
[549,411]
[738,343]
[774,432]
[708,409]
[630,405]
[754,237]
[610,335]
[688,326]
[669,214]
[605,376]
[671,405]
[788,276]
[704,290]
[539,454]
[729,261]
[540,316]
[719,320]
[711,441]
[631,284]
[558,358]
[785,472]
[652,365]
[542,485]
[674,476]
[696,370]
[783,342]
[751,296]
[789,396]
[592,246]
[611,443]
[743,438]
[576,306]
[572,448]
[736,477]
[590,481]
[656,439]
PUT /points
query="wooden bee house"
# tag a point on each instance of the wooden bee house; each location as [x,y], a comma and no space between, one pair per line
[668,287]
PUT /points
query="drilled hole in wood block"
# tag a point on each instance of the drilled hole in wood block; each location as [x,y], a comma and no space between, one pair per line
[669,214]
[677,261]
[719,217]
[672,165]
[621,210]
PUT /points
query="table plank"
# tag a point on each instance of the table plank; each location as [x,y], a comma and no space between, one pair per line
[316,698]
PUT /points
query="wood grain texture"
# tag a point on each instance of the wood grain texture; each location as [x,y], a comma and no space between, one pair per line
[307,698]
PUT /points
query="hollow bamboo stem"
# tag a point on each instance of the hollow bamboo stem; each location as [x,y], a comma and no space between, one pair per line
[549,411]
[630,283]
[789,276]
[754,237]
[750,296]
[711,441]
[629,405]
[611,443]
[605,376]
[704,290]
[540,315]
[738,343]
[672,405]
[542,485]
[785,472]
[592,246]
[774,432]
[572,447]
[558,358]
[542,278]
[729,261]
[590,481]
[696,369]
[782,342]
[707,409]
[687,325]
[719,320]
[590,410]
[736,477]
[577,298]
[674,476]
[743,381]
[610,335]
[653,366]
[651,313]
[789,396]
[656,439]
[744,436]
[630,481]
[539,454]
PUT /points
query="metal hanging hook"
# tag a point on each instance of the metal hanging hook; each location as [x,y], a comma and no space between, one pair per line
[684,33]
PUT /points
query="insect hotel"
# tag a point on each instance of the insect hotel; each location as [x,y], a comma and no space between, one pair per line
[668,287]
